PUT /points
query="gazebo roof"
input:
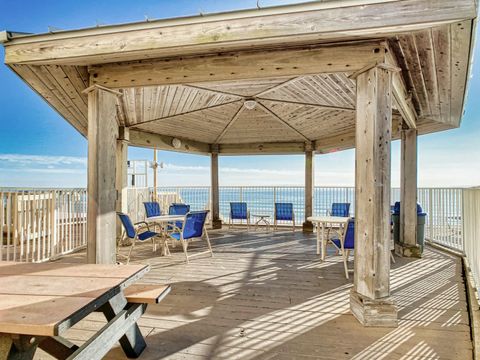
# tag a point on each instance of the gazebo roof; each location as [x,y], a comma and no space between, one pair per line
[294,67]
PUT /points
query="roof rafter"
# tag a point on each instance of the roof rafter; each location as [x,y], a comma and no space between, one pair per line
[184,113]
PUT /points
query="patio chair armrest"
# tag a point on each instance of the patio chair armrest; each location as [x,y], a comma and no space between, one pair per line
[139,224]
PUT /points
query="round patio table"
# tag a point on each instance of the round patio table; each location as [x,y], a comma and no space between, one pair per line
[262,218]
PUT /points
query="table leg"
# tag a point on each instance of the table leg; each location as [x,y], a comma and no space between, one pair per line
[132,342]
[18,347]
[318,238]
[324,248]
[58,347]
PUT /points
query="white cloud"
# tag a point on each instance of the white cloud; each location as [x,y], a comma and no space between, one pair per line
[39,160]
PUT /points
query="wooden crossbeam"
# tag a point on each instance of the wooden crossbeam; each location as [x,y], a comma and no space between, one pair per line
[401,97]
[240,65]
[301,23]
[164,142]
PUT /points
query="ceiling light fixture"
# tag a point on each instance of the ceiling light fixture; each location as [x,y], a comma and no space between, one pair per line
[250,104]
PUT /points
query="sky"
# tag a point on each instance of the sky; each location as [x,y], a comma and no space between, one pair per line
[38,148]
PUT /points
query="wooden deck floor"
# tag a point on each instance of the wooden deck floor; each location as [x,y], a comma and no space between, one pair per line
[268,296]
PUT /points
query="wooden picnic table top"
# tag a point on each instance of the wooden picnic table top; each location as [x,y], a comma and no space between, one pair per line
[43,299]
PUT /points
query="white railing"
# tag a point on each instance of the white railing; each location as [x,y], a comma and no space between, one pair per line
[471,231]
[38,225]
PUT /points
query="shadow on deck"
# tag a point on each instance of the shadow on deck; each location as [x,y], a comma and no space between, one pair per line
[268,296]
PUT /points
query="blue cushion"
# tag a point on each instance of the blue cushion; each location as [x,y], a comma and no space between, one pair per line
[283,211]
[340,209]
[238,211]
[176,236]
[152,209]
[337,243]
[146,235]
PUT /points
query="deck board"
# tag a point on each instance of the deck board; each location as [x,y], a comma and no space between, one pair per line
[268,296]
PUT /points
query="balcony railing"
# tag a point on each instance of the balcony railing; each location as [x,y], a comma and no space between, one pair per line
[37,225]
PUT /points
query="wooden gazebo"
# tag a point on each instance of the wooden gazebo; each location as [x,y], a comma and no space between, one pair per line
[306,78]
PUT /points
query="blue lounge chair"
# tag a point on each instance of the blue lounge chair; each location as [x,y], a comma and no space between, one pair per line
[193,227]
[345,243]
[339,209]
[239,211]
[134,232]
[284,212]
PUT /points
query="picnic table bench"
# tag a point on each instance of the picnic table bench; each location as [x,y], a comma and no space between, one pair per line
[40,302]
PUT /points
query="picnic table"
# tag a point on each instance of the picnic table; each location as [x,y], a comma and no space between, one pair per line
[40,302]
[321,223]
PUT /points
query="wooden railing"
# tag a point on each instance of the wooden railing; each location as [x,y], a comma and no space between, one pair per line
[38,225]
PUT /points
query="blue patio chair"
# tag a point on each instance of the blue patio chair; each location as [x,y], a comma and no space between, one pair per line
[284,212]
[177,209]
[339,209]
[239,211]
[193,228]
[152,208]
[345,243]
[134,233]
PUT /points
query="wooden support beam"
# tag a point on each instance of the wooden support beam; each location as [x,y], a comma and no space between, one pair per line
[309,186]
[164,142]
[240,65]
[215,196]
[293,24]
[102,158]
[262,148]
[408,196]
[370,300]
[121,178]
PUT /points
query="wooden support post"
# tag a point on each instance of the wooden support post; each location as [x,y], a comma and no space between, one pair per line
[102,151]
[155,174]
[122,175]
[215,197]
[370,300]
[408,246]
[309,187]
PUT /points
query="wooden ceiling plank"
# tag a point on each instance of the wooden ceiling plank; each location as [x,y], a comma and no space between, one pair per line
[407,42]
[31,78]
[239,66]
[442,47]
[283,121]
[307,104]
[210,89]
[44,75]
[229,125]
[60,79]
[461,40]
[188,112]
[77,81]
[424,45]
[276,87]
